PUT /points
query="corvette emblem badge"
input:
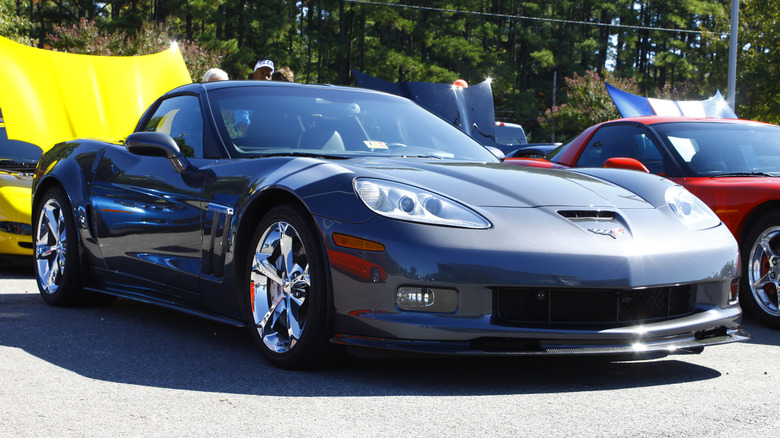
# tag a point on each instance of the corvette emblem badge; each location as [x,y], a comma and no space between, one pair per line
[612,233]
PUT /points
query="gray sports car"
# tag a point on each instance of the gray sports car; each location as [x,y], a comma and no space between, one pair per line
[321,215]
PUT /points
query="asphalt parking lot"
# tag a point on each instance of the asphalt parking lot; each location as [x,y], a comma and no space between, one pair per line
[131,369]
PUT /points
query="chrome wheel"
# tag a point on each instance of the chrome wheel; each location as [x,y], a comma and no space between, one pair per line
[764,271]
[51,241]
[279,287]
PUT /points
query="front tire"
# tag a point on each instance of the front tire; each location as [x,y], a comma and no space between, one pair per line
[56,251]
[761,270]
[287,290]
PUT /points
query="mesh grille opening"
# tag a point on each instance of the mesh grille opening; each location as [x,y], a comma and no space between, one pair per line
[591,308]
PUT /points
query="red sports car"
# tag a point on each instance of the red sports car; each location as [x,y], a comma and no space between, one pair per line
[732,165]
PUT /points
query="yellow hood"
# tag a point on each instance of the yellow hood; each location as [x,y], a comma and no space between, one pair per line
[48,97]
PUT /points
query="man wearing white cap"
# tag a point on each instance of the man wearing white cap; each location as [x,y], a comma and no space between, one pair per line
[263,70]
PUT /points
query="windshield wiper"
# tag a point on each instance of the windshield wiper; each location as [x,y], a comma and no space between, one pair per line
[301,154]
[438,157]
[745,174]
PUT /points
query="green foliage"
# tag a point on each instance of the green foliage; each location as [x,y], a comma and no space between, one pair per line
[758,80]
[428,40]
[589,103]
[87,38]
[13,26]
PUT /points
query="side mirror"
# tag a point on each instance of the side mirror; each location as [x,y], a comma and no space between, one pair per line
[625,163]
[157,144]
[495,151]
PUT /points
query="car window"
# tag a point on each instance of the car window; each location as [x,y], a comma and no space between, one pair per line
[628,141]
[556,154]
[266,120]
[720,148]
[510,134]
[180,117]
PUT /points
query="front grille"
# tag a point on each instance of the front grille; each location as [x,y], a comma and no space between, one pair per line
[592,308]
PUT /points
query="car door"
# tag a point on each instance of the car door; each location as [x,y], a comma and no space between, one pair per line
[148,215]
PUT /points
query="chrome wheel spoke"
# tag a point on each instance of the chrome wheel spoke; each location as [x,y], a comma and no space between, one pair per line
[43,251]
[271,316]
[54,269]
[761,282]
[263,266]
[767,248]
[52,222]
[287,258]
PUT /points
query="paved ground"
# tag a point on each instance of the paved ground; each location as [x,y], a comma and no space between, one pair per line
[135,370]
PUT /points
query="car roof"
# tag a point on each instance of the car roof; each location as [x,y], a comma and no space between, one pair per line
[653,120]
[216,85]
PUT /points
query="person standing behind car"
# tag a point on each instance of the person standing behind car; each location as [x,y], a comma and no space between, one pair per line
[215,74]
[283,74]
[263,70]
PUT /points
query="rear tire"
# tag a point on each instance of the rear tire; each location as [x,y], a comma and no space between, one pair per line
[761,270]
[286,290]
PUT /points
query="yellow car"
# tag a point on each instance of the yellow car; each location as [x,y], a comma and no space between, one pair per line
[17,164]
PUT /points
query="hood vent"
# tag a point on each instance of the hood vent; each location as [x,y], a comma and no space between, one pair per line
[587,214]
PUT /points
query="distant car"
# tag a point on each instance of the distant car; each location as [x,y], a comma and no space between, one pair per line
[512,141]
[349,216]
[532,151]
[17,164]
[732,165]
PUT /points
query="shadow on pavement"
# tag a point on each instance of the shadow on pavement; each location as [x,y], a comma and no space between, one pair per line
[136,343]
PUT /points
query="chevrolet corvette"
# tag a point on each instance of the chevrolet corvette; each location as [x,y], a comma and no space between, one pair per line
[345,216]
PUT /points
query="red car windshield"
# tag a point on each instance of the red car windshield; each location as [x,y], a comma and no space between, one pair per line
[721,149]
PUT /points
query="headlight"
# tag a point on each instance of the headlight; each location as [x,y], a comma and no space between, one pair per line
[16,228]
[689,209]
[400,201]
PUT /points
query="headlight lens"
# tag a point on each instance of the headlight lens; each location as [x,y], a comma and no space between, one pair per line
[16,228]
[400,201]
[690,210]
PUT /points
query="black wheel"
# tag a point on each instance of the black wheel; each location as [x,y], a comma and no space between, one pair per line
[761,270]
[287,290]
[56,252]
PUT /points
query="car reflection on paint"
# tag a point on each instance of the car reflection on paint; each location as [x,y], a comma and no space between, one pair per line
[356,266]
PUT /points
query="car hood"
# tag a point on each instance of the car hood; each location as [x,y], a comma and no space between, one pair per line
[501,185]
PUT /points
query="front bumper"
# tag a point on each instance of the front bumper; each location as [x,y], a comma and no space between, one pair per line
[690,343]
[556,257]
